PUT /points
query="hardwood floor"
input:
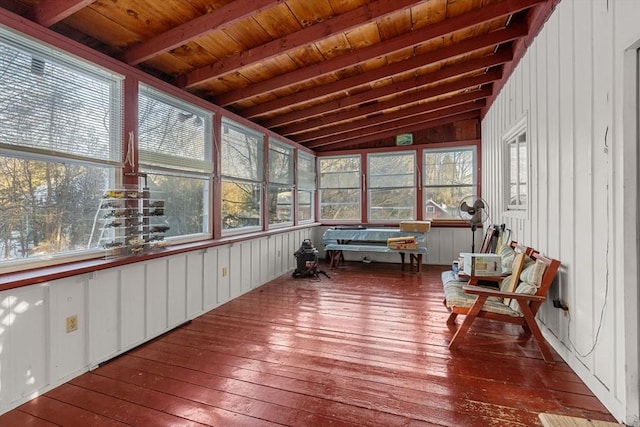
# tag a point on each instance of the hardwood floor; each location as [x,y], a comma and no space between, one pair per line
[366,347]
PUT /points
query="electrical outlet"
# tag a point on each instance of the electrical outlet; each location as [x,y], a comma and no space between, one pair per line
[558,303]
[72,323]
[224,272]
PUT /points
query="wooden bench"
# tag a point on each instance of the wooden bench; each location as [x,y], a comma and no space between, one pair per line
[371,240]
[517,306]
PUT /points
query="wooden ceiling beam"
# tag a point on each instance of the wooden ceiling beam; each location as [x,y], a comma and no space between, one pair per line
[49,12]
[416,62]
[390,89]
[393,45]
[225,16]
[393,131]
[309,35]
[368,121]
[409,98]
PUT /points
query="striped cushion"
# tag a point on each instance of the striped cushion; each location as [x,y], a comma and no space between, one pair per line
[456,297]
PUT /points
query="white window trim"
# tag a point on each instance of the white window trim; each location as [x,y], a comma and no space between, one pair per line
[521,126]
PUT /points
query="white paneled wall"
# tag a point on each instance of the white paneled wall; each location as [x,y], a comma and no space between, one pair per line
[120,308]
[570,88]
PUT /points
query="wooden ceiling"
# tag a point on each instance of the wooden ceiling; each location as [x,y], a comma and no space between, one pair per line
[329,74]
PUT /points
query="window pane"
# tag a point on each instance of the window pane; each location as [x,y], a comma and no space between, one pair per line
[340,204]
[47,208]
[449,167]
[340,188]
[184,203]
[55,104]
[240,204]
[306,171]
[280,205]
[442,202]
[391,186]
[392,204]
[340,172]
[173,133]
[305,205]
[241,153]
[280,164]
[449,175]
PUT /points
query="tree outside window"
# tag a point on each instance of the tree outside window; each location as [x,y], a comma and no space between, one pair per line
[174,141]
[280,196]
[339,188]
[449,175]
[391,186]
[242,175]
[60,148]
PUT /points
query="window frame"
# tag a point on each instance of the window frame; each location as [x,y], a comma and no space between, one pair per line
[304,185]
[358,189]
[277,147]
[155,163]
[513,136]
[61,70]
[257,181]
[371,177]
[473,188]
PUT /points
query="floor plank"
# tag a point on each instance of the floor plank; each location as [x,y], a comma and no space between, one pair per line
[366,347]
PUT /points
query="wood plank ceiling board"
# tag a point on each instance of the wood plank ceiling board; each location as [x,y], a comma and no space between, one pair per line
[317,71]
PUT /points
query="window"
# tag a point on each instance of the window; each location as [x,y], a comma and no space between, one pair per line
[60,148]
[242,175]
[339,188]
[280,183]
[517,171]
[306,186]
[175,153]
[449,175]
[391,186]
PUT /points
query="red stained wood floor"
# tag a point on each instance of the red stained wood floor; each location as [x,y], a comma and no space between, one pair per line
[366,347]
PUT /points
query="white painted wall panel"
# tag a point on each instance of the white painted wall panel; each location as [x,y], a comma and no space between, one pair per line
[24,342]
[176,290]
[195,285]
[156,297]
[117,309]
[133,307]
[235,271]
[223,275]
[571,86]
[210,279]
[103,326]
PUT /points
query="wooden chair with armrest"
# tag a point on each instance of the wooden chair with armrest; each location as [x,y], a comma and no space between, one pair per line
[517,307]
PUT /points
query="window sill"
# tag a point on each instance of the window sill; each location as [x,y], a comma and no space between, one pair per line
[38,275]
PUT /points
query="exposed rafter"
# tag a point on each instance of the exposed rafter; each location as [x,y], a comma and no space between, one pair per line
[345,22]
[329,75]
[391,46]
[49,12]
[223,17]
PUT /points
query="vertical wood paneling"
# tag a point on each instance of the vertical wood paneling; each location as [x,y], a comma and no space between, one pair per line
[103,325]
[235,270]
[575,133]
[177,290]
[604,291]
[195,284]
[224,290]
[24,322]
[583,184]
[133,307]
[246,279]
[156,297]
[565,111]
[256,261]
[210,279]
